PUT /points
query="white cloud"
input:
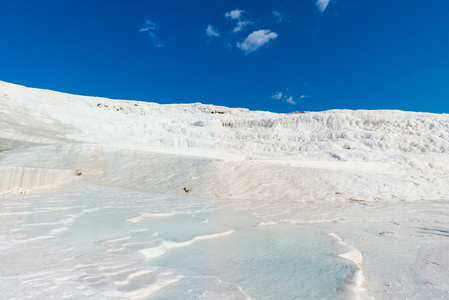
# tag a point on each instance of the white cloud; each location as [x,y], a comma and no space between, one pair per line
[241,25]
[277,96]
[234,14]
[287,98]
[256,40]
[150,27]
[158,44]
[278,15]
[322,4]
[211,31]
[237,15]
[290,100]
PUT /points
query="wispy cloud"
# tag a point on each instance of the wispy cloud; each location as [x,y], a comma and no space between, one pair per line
[277,96]
[322,4]
[287,98]
[158,44]
[212,32]
[278,15]
[241,25]
[234,14]
[150,27]
[237,15]
[290,100]
[256,40]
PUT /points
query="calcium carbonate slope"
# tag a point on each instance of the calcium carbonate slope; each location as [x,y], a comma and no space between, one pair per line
[377,180]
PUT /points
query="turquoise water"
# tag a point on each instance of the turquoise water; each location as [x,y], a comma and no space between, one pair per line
[89,242]
[270,262]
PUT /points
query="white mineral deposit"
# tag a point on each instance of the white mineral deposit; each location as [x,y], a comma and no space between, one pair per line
[316,205]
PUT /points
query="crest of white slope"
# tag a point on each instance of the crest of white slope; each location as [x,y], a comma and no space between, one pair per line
[44,116]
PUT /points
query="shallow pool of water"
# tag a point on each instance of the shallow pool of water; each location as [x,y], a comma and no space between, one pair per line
[91,242]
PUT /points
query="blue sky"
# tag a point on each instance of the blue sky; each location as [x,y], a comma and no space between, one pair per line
[279,55]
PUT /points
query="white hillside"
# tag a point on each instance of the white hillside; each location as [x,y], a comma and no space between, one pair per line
[93,182]
[402,144]
[52,115]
